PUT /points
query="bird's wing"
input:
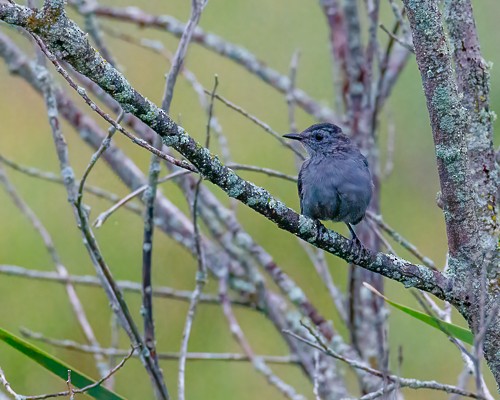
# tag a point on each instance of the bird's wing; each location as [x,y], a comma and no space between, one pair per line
[299,185]
[318,193]
[365,161]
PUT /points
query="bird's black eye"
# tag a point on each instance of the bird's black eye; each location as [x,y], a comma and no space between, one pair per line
[318,136]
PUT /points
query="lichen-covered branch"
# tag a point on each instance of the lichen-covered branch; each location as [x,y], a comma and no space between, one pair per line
[64,38]
[459,133]
[473,79]
[448,122]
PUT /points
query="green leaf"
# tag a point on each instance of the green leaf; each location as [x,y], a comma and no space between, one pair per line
[449,329]
[57,366]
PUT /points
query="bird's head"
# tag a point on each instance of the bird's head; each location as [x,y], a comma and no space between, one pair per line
[320,138]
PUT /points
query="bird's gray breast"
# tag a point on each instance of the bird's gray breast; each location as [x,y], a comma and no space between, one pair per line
[336,187]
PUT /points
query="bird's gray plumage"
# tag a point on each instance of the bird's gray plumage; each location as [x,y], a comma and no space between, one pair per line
[335,182]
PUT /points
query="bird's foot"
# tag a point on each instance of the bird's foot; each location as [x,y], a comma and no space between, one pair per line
[355,246]
[355,249]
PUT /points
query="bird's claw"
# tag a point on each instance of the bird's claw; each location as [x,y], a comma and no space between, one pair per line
[355,248]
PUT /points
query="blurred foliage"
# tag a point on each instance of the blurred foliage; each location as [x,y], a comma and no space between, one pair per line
[272,31]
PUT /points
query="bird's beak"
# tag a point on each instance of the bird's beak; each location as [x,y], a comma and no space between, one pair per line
[293,136]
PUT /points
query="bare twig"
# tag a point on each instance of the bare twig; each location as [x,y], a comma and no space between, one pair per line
[114,343]
[71,391]
[158,47]
[201,274]
[126,286]
[377,219]
[373,9]
[6,384]
[197,7]
[124,201]
[266,171]
[258,363]
[403,382]
[320,264]
[115,352]
[338,49]
[406,45]
[95,157]
[379,393]
[258,122]
[51,177]
[290,100]
[389,157]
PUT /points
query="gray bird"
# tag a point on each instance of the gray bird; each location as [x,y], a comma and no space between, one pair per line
[334,182]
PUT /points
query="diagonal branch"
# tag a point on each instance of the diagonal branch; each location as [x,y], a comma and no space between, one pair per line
[64,38]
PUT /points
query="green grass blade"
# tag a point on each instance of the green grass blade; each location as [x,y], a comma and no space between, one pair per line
[456,331]
[57,366]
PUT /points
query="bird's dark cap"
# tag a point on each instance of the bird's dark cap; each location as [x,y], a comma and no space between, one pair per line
[294,136]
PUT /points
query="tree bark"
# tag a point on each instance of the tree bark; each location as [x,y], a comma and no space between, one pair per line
[465,156]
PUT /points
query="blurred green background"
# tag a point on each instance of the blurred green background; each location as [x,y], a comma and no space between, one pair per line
[272,31]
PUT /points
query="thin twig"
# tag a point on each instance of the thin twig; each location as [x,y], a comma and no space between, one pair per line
[102,217]
[158,47]
[114,343]
[201,273]
[404,382]
[258,122]
[6,384]
[258,363]
[51,177]
[95,157]
[381,237]
[197,7]
[388,74]
[377,219]
[126,286]
[317,257]
[372,48]
[407,46]
[380,392]
[266,171]
[290,99]
[389,157]
[73,391]
[115,352]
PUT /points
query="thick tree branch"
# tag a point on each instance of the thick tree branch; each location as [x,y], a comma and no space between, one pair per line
[449,124]
[64,38]
[473,79]
[458,129]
